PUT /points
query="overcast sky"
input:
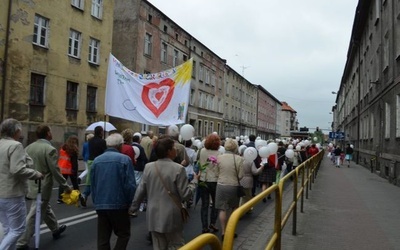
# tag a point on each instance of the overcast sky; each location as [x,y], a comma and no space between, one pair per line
[295,49]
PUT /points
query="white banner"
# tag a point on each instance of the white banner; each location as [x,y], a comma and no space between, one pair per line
[159,99]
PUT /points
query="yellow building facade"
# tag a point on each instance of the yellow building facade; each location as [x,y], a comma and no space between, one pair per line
[53,63]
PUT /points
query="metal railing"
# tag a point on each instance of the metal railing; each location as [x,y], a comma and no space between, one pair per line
[307,171]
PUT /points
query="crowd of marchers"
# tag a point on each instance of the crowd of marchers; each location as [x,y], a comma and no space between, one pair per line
[129,172]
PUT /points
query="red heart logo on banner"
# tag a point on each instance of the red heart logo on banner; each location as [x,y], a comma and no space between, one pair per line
[157,96]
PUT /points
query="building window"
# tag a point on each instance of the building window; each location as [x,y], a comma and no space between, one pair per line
[74,47]
[211,103]
[41,31]
[145,127]
[149,18]
[372,125]
[194,69]
[207,76]
[72,96]
[165,28]
[175,59]
[164,48]
[205,127]
[191,101]
[91,99]
[94,51]
[213,80]
[201,74]
[37,89]
[147,44]
[184,58]
[199,127]
[200,99]
[97,8]
[387,120]
[78,3]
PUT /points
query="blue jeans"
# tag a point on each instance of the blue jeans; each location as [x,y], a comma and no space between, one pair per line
[206,193]
[12,216]
[87,191]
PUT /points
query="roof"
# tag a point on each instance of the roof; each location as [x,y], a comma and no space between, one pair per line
[286,107]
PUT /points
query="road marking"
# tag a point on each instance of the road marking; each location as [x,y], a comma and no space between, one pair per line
[72,220]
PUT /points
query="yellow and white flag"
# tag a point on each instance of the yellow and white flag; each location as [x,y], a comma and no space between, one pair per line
[159,99]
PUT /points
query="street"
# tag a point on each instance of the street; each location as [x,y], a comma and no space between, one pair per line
[82,226]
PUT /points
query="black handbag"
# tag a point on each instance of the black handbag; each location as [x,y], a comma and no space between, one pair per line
[240,189]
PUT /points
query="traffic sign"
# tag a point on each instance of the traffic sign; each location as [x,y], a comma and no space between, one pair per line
[336,135]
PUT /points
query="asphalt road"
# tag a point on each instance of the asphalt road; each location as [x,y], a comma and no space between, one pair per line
[81,224]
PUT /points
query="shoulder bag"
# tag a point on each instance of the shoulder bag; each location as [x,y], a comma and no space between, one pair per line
[240,188]
[184,212]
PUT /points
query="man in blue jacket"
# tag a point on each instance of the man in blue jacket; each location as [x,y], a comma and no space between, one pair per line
[113,188]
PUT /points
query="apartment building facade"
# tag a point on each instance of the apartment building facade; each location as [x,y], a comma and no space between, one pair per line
[367,106]
[288,120]
[267,114]
[53,58]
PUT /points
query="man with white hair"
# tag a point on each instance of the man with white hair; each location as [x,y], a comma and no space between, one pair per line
[113,188]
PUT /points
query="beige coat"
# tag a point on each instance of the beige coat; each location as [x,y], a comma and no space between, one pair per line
[45,160]
[15,169]
[228,174]
[163,215]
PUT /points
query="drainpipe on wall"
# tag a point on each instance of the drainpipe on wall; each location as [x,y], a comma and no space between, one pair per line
[3,84]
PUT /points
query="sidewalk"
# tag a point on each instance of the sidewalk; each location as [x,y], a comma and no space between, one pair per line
[348,208]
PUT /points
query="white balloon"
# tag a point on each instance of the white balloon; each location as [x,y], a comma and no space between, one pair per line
[352,146]
[250,154]
[289,153]
[318,145]
[215,132]
[290,146]
[137,151]
[258,138]
[330,145]
[187,132]
[315,138]
[298,147]
[198,143]
[273,147]
[260,143]
[242,148]
[173,130]
[221,150]
[264,152]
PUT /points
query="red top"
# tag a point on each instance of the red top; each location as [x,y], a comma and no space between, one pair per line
[128,150]
[312,151]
